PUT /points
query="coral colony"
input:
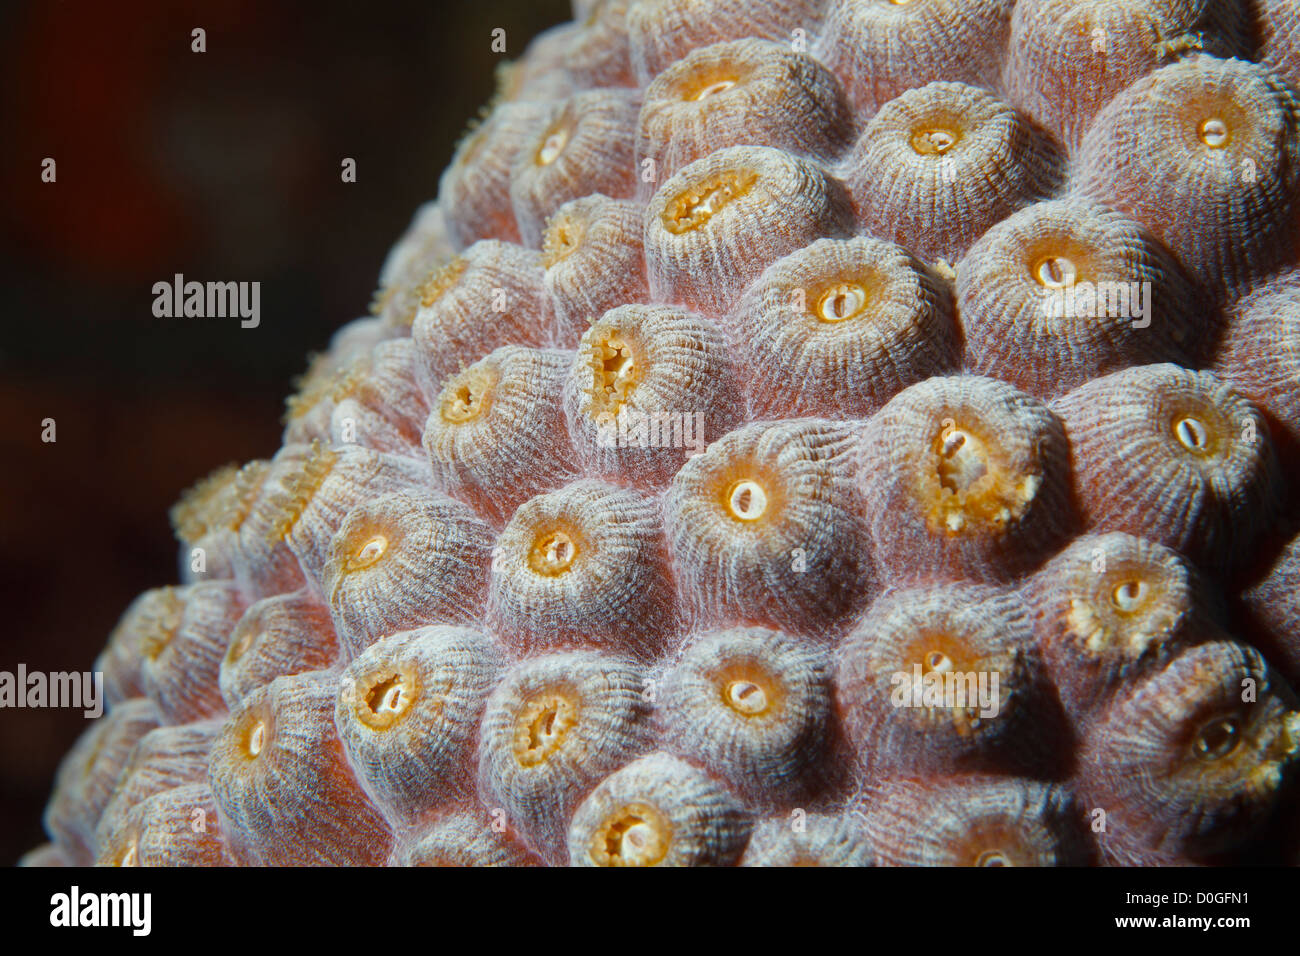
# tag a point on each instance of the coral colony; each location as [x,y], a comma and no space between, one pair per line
[841,432]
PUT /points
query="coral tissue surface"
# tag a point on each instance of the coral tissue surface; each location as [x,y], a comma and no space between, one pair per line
[838,432]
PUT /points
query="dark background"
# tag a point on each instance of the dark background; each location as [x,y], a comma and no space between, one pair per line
[223,166]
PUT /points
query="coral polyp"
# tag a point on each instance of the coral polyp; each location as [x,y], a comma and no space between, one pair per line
[964,477]
[841,326]
[945,678]
[1207,480]
[797,433]
[1062,292]
[939,165]
[976,821]
[1206,154]
[732,94]
[551,730]
[715,225]
[1195,758]
[753,704]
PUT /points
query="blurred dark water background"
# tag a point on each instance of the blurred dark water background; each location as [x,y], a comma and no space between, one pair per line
[223,166]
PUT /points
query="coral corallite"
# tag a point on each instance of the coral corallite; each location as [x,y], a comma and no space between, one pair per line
[799,432]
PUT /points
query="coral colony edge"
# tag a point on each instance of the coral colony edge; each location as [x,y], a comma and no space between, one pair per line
[840,432]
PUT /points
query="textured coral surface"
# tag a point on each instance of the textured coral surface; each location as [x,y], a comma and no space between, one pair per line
[835,432]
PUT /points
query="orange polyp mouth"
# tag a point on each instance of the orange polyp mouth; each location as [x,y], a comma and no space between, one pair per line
[939,652]
[1055,272]
[370,552]
[564,235]
[1192,434]
[552,146]
[241,646]
[615,370]
[966,487]
[257,738]
[1214,120]
[1214,133]
[693,208]
[745,697]
[637,834]
[1199,432]
[467,397]
[553,553]
[1128,597]
[842,302]
[935,141]
[713,88]
[748,689]
[1059,262]
[746,500]
[543,724]
[1218,738]
[385,697]
[992,842]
